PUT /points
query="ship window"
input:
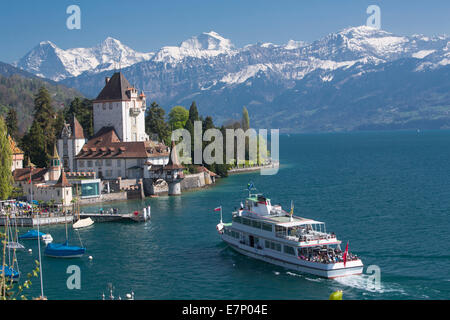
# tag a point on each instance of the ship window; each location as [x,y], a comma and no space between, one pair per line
[267,227]
[267,244]
[246,221]
[237,219]
[289,250]
[277,246]
[256,224]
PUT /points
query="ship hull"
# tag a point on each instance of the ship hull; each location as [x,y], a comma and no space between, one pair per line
[318,269]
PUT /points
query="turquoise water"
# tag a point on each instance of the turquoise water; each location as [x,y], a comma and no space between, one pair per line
[388,194]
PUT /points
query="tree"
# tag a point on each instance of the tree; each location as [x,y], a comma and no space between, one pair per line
[44,117]
[193,113]
[34,146]
[41,137]
[178,117]
[155,124]
[245,119]
[208,123]
[59,122]
[5,162]
[82,109]
[11,124]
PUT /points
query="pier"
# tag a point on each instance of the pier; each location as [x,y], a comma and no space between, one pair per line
[113,217]
[34,221]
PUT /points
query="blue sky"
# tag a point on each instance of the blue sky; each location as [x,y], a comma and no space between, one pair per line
[148,25]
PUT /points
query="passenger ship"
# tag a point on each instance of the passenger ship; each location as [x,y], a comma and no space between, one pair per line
[265,232]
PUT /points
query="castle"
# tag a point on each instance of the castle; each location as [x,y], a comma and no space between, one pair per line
[120,147]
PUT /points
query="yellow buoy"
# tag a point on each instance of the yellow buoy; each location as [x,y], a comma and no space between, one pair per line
[337,295]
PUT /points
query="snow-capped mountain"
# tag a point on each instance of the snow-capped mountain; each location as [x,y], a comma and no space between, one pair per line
[48,61]
[300,80]
[207,44]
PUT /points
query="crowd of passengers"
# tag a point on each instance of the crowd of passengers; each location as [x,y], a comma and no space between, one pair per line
[334,256]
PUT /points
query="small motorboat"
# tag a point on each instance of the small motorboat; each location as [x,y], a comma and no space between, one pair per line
[10,273]
[47,238]
[31,235]
[63,250]
[83,223]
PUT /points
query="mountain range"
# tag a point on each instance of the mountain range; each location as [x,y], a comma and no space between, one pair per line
[359,78]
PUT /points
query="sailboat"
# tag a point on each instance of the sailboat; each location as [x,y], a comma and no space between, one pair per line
[64,250]
[10,270]
[10,273]
[14,241]
[32,235]
[81,223]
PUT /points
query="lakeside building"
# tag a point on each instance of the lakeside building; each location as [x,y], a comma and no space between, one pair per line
[110,158]
[120,147]
[52,185]
[17,155]
[120,106]
[70,143]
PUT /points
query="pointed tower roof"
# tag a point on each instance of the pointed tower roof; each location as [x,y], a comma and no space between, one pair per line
[77,129]
[14,148]
[31,164]
[115,88]
[62,181]
[173,159]
[55,153]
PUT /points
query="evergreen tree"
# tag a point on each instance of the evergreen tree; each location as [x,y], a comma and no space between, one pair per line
[208,123]
[34,146]
[245,119]
[193,113]
[155,124]
[82,109]
[59,122]
[45,116]
[11,124]
[193,116]
[5,162]
[41,138]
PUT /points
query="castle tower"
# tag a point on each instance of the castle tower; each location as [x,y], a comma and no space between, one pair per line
[55,166]
[173,172]
[64,188]
[71,142]
[119,105]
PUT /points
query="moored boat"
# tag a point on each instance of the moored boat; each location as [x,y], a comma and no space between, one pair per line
[10,273]
[63,250]
[32,235]
[83,223]
[266,232]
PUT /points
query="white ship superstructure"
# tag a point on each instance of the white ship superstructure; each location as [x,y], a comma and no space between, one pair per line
[266,232]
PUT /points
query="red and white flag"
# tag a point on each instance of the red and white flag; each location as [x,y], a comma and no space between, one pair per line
[345,254]
[218,209]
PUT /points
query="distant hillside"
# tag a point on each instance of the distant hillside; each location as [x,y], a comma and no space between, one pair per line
[17,90]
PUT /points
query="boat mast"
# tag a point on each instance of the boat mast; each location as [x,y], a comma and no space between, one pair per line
[38,237]
[64,211]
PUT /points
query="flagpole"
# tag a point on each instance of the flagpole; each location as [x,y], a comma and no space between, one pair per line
[221,214]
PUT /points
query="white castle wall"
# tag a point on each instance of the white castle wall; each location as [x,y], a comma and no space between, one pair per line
[118,115]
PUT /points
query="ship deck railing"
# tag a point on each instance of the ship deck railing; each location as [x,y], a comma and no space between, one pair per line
[307,237]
